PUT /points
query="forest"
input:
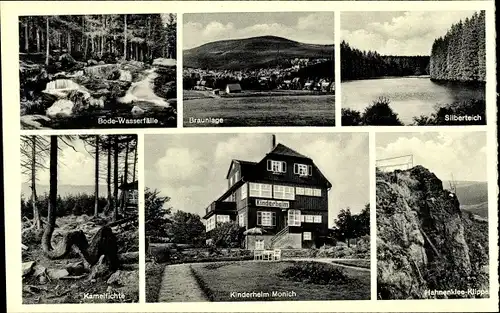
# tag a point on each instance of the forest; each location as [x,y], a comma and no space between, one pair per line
[75,245]
[357,64]
[75,69]
[460,55]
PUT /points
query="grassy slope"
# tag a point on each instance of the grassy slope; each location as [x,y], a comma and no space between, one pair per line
[263,276]
[250,53]
[154,274]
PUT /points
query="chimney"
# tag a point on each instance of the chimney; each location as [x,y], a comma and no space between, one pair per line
[273,141]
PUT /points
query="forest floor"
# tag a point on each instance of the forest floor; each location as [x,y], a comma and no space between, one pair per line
[73,94]
[65,280]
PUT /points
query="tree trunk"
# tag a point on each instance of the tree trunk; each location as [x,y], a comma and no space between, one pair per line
[69,42]
[26,35]
[108,181]
[135,162]
[125,179]
[51,214]
[96,204]
[48,41]
[37,39]
[125,37]
[36,214]
[115,178]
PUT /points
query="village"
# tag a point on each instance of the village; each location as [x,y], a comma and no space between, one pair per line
[297,74]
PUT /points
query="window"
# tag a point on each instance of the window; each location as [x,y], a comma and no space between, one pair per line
[317,218]
[308,191]
[294,218]
[299,190]
[259,244]
[222,218]
[242,219]
[284,192]
[276,166]
[266,218]
[317,192]
[244,191]
[307,235]
[309,218]
[260,190]
[210,223]
[301,169]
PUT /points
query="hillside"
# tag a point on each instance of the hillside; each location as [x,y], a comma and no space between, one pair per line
[63,190]
[251,53]
[424,241]
[473,196]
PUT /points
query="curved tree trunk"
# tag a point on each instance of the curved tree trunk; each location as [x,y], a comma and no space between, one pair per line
[51,214]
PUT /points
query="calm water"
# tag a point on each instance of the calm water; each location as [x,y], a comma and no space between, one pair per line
[409,96]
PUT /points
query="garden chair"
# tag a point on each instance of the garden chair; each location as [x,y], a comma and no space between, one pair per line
[277,255]
[258,255]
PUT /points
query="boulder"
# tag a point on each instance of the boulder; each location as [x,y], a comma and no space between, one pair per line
[61,108]
[60,88]
[137,111]
[38,270]
[57,273]
[164,62]
[92,62]
[35,121]
[103,71]
[101,62]
[124,278]
[27,267]
[125,76]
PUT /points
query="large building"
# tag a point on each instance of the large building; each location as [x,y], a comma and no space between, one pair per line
[285,195]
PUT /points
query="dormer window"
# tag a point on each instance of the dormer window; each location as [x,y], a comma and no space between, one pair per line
[276,166]
[302,169]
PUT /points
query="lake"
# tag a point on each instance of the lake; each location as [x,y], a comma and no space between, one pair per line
[310,110]
[409,96]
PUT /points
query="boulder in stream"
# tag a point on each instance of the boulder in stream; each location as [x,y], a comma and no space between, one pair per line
[61,108]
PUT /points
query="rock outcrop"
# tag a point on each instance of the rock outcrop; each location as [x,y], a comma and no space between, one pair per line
[424,241]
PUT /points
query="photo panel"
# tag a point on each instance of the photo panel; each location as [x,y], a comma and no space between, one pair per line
[413,68]
[432,215]
[257,217]
[258,69]
[79,219]
[98,71]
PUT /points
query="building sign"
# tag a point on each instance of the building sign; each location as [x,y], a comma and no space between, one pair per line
[272,203]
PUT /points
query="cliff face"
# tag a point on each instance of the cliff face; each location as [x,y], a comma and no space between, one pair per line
[424,241]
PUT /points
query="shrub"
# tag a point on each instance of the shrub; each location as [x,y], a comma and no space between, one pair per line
[380,113]
[315,273]
[351,117]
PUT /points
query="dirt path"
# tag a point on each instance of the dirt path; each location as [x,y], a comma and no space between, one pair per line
[179,285]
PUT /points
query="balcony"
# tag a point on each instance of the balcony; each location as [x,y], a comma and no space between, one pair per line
[225,207]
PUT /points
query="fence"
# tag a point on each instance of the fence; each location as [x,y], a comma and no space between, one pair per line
[403,162]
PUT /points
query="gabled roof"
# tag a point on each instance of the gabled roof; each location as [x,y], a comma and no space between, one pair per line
[281,149]
[244,166]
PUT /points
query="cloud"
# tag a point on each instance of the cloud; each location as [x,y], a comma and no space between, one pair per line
[444,154]
[410,33]
[181,165]
[314,28]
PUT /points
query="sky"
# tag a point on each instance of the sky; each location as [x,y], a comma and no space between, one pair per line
[76,167]
[463,154]
[308,27]
[397,33]
[192,168]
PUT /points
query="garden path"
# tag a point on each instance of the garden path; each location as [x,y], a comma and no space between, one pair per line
[179,285]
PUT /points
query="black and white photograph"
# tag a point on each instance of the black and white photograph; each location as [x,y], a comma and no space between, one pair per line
[413,68]
[98,71]
[432,215]
[79,219]
[257,217]
[258,69]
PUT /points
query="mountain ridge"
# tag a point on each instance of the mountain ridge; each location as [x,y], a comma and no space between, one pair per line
[252,52]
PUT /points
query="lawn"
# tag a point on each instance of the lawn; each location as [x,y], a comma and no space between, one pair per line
[154,274]
[356,263]
[310,110]
[221,280]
